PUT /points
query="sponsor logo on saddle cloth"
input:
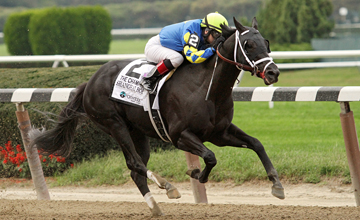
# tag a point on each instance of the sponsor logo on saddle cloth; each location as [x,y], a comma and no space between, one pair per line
[127,87]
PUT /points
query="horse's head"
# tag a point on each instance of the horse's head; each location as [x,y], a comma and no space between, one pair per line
[251,52]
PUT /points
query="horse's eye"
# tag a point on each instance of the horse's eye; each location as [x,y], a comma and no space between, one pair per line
[267,43]
[247,45]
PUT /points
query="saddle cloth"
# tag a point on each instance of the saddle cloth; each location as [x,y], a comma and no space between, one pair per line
[127,88]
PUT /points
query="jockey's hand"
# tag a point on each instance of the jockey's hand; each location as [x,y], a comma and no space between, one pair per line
[205,46]
[218,41]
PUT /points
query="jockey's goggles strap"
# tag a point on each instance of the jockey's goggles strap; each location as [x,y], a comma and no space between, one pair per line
[215,33]
[206,22]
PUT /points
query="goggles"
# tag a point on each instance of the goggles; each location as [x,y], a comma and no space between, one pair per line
[215,34]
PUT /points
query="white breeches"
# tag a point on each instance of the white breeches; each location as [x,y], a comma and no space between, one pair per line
[156,53]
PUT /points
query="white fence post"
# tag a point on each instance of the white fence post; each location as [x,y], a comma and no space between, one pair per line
[352,147]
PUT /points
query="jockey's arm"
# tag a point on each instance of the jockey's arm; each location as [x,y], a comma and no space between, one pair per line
[191,52]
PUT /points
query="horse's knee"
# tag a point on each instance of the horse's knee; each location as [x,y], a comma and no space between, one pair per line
[256,145]
[130,165]
[137,177]
[210,159]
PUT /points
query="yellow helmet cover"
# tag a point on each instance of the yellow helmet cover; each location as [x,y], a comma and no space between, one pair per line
[213,21]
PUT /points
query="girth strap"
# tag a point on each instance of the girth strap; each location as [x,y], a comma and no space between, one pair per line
[156,121]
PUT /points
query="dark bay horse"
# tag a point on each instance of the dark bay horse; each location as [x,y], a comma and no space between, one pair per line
[196,106]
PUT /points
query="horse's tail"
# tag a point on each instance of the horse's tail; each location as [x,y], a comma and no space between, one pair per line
[58,140]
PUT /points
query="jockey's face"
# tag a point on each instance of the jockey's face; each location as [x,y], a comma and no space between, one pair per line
[210,39]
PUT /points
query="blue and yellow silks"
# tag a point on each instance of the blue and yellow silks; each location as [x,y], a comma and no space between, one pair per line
[186,37]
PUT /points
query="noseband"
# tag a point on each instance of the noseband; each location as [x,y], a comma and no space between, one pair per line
[253,64]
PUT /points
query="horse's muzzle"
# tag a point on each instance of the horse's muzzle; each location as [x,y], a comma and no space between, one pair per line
[271,76]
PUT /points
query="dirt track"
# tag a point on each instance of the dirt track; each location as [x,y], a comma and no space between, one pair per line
[226,201]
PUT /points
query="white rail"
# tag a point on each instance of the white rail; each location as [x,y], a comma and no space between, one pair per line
[276,55]
[317,65]
[315,54]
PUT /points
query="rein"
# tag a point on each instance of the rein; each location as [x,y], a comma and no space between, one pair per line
[240,66]
[211,81]
[254,70]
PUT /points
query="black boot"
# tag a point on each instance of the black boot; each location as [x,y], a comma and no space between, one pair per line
[151,82]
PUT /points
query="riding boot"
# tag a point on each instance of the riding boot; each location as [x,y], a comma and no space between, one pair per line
[150,81]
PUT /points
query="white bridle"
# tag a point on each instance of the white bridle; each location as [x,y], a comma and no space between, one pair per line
[252,63]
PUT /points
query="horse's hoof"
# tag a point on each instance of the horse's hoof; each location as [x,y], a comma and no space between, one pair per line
[278,192]
[155,211]
[173,193]
[194,173]
[154,208]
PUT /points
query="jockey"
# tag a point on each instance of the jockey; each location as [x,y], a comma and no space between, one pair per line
[195,39]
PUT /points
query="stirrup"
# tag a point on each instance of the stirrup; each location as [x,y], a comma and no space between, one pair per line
[153,90]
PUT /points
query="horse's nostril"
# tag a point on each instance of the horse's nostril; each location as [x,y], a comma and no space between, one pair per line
[273,73]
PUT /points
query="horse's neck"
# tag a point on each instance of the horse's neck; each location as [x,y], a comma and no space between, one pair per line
[226,73]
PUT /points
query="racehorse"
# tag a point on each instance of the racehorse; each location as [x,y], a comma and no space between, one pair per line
[196,106]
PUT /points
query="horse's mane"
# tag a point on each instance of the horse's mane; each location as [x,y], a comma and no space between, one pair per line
[227,31]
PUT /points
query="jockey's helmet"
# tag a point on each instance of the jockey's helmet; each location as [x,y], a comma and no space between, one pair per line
[213,21]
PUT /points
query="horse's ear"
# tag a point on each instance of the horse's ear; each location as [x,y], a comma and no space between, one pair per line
[255,23]
[239,26]
[227,31]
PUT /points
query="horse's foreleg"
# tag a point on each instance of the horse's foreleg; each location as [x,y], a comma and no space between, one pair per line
[191,143]
[234,136]
[135,162]
[141,183]
[142,147]
[277,189]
